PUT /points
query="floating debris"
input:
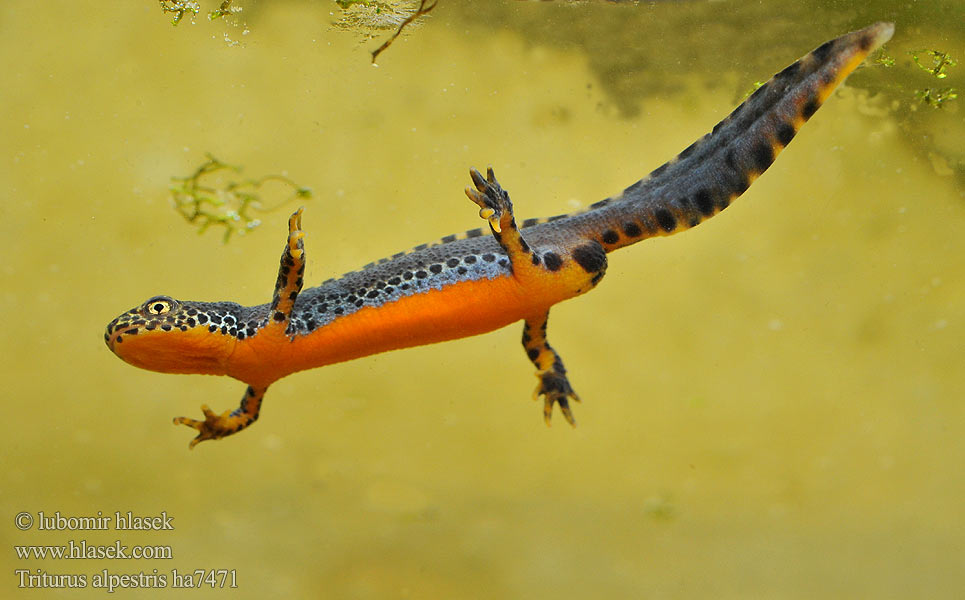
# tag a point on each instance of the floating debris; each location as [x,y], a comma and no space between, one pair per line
[372,17]
[940,61]
[179,8]
[880,58]
[222,11]
[228,205]
[936,98]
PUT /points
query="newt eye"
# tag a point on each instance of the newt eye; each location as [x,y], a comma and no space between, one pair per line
[159,305]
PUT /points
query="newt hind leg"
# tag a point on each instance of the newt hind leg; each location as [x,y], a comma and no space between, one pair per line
[553,386]
[559,271]
[216,426]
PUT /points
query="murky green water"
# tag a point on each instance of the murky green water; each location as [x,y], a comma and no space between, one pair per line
[772,402]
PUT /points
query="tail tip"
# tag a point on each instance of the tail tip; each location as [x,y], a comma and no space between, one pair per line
[877,34]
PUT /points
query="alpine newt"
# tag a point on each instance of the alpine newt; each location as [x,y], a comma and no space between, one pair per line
[478,281]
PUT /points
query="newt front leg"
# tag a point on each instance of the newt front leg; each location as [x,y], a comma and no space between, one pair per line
[291,272]
[217,426]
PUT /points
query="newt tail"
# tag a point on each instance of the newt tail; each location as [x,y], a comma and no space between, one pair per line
[477,281]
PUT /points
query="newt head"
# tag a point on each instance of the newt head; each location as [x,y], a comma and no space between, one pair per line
[171,336]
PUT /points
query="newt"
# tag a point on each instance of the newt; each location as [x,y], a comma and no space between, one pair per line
[481,280]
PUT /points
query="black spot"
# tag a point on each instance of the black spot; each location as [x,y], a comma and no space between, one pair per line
[610,237]
[474,233]
[293,295]
[535,258]
[192,312]
[338,310]
[452,262]
[523,245]
[351,298]
[470,259]
[659,170]
[131,332]
[530,222]
[421,247]
[280,316]
[380,284]
[190,322]
[372,294]
[462,270]
[704,202]
[323,307]
[809,108]
[119,339]
[212,328]
[407,275]
[591,257]
[406,286]
[395,281]
[449,238]
[310,324]
[763,155]
[233,331]
[785,133]
[823,51]
[555,218]
[241,335]
[504,262]
[359,303]
[533,354]
[435,268]
[740,186]
[666,220]
[398,255]
[596,278]
[489,257]
[600,204]
[421,274]
[789,71]
[202,318]
[166,327]
[865,42]
[552,261]
[250,331]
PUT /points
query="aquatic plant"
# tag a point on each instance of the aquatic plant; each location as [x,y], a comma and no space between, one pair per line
[228,205]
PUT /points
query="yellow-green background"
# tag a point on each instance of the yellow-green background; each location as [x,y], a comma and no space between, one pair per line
[772,402]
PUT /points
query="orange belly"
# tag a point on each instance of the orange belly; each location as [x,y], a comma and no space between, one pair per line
[455,311]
